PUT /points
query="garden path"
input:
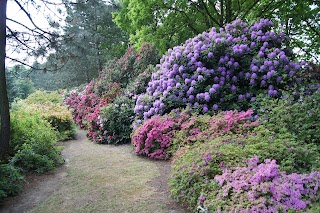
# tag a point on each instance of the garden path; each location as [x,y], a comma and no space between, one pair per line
[98,178]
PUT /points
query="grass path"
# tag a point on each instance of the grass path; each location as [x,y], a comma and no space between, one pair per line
[99,178]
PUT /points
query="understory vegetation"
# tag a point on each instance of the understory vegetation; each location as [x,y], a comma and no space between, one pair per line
[232,108]
[37,123]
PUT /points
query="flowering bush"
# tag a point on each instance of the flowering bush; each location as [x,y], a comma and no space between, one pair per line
[221,70]
[130,65]
[115,122]
[153,138]
[203,128]
[138,85]
[85,105]
[194,167]
[262,188]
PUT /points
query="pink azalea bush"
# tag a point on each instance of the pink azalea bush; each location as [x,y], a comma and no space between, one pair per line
[262,187]
[153,138]
[195,166]
[160,136]
[202,128]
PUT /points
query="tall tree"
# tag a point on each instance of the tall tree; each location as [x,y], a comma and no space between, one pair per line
[28,38]
[168,23]
[90,37]
[4,103]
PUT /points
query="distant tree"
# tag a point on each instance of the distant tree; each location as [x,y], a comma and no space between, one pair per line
[90,38]
[19,85]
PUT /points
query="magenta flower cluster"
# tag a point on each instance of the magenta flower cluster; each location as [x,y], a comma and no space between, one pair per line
[225,122]
[85,107]
[223,69]
[154,137]
[263,188]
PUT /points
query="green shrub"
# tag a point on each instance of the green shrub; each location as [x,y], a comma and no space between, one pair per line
[41,97]
[299,113]
[48,105]
[115,122]
[10,181]
[195,166]
[139,84]
[33,142]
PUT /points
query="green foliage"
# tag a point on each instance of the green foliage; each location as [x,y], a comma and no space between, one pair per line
[90,39]
[43,97]
[19,84]
[10,181]
[194,166]
[138,85]
[299,113]
[115,121]
[169,23]
[130,65]
[48,106]
[33,142]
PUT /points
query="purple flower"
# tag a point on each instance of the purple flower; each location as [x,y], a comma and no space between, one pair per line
[254,76]
[212,90]
[215,107]
[279,79]
[292,73]
[254,68]
[252,82]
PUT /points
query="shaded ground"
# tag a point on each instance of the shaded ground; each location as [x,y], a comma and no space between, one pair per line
[98,178]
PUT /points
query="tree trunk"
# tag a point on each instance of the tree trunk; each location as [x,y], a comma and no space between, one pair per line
[4,103]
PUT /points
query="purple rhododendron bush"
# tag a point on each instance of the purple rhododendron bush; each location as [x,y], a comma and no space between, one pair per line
[223,69]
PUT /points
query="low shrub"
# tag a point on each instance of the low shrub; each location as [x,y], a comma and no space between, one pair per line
[166,134]
[194,167]
[153,138]
[262,188]
[115,122]
[11,181]
[40,97]
[48,106]
[203,128]
[298,112]
[33,142]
